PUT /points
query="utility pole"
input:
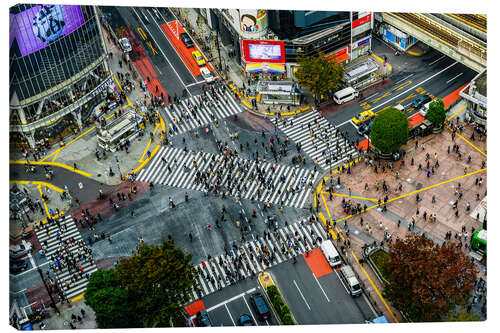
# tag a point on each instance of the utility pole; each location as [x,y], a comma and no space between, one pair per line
[53,303]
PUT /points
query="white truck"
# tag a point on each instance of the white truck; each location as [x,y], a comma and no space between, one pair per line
[350,281]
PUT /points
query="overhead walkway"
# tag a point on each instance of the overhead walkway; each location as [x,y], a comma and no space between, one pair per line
[443,36]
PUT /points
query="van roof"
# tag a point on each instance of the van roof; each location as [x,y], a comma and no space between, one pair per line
[345,91]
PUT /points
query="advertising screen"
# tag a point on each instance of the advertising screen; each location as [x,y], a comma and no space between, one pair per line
[264,51]
[36,27]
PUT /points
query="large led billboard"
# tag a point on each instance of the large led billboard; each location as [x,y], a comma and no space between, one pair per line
[264,51]
[36,27]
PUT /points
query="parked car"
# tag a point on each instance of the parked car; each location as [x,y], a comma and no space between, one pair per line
[198,58]
[245,320]
[186,40]
[18,251]
[365,127]
[125,44]
[207,74]
[363,116]
[260,306]
[420,101]
[202,319]
[18,266]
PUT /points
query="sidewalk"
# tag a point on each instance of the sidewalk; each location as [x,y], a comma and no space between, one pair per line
[62,321]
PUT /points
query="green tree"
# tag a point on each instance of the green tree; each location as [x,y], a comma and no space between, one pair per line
[160,280]
[463,315]
[428,281]
[110,302]
[319,74]
[436,113]
[389,130]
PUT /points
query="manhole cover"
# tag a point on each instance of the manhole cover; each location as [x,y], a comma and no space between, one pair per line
[419,186]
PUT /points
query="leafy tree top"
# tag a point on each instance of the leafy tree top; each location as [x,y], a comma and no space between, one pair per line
[436,113]
[389,130]
[427,280]
[319,74]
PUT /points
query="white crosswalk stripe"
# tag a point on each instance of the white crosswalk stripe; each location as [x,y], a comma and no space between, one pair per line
[318,139]
[200,110]
[254,259]
[280,183]
[51,237]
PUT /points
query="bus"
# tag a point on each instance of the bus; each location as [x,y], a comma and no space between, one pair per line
[478,241]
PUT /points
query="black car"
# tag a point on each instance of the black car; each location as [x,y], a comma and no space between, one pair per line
[202,319]
[260,306]
[245,320]
[365,128]
[186,40]
[18,266]
[417,103]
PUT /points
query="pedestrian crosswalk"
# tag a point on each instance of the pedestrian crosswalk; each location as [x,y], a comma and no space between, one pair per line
[61,241]
[200,110]
[318,138]
[238,177]
[256,255]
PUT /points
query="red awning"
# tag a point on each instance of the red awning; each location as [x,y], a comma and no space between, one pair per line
[338,58]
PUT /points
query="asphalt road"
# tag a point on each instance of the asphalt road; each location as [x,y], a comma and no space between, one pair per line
[227,305]
[322,300]
[173,73]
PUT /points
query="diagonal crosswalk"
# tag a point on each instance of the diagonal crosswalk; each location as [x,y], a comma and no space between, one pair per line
[256,255]
[200,110]
[318,138]
[237,177]
[61,239]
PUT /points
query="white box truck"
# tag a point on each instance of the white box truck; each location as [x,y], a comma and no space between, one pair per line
[351,281]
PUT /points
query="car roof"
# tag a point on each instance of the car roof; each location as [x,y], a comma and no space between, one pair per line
[196,53]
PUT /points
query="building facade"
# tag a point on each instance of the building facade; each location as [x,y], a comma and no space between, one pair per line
[278,37]
[475,95]
[58,70]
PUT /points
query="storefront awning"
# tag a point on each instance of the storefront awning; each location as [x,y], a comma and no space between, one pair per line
[264,67]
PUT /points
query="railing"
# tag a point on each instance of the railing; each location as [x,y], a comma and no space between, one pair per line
[56,115]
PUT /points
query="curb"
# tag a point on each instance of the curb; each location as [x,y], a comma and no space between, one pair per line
[389,66]
[273,283]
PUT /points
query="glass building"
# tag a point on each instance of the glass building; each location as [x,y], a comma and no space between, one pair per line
[58,69]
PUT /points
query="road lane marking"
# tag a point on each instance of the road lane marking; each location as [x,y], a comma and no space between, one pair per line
[229,313]
[249,291]
[420,83]
[404,79]
[320,287]
[173,68]
[404,85]
[250,310]
[436,60]
[347,290]
[369,304]
[454,78]
[302,295]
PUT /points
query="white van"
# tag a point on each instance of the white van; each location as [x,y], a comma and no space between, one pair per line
[347,275]
[331,253]
[400,107]
[425,108]
[345,95]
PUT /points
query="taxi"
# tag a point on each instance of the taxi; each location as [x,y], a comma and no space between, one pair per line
[363,116]
[198,58]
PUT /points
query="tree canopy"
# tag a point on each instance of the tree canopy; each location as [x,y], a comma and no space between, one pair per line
[110,302]
[319,74]
[156,281]
[428,281]
[436,113]
[389,130]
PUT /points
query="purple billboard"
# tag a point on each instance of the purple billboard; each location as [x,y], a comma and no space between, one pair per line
[36,27]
